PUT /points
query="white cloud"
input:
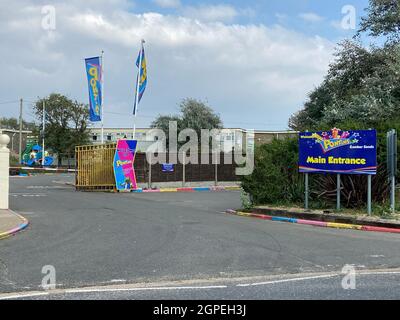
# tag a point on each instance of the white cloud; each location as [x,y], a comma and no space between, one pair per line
[254,76]
[222,13]
[311,17]
[168,3]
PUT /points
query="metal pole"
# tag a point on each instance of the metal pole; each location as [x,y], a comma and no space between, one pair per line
[102,96]
[183,170]
[20,130]
[216,169]
[369,204]
[44,119]
[393,194]
[338,182]
[306,191]
[149,186]
[394,160]
[12,141]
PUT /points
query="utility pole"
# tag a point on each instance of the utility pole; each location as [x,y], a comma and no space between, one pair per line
[43,129]
[21,101]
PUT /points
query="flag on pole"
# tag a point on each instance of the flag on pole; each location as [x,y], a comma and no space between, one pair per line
[94,74]
[141,80]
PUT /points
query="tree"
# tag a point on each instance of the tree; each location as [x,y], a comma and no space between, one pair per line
[195,115]
[383,19]
[66,122]
[13,123]
[361,83]
[162,122]
[361,90]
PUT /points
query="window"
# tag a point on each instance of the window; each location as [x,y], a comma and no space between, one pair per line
[94,138]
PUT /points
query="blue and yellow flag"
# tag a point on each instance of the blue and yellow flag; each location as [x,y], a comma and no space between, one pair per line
[94,74]
[141,81]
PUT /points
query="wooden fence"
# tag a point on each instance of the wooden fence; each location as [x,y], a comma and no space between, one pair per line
[94,164]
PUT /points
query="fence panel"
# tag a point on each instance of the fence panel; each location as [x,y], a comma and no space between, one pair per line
[94,164]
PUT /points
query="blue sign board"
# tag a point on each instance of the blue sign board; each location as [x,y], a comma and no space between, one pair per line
[167,167]
[337,151]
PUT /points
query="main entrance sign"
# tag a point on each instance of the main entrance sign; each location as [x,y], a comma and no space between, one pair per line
[337,151]
[125,178]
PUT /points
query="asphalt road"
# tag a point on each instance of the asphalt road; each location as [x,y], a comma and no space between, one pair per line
[96,239]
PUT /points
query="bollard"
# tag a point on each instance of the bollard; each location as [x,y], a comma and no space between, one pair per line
[4,170]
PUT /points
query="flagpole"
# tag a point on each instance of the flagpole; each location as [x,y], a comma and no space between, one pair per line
[44,118]
[102,97]
[137,88]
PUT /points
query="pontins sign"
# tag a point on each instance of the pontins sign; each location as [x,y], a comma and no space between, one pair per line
[337,151]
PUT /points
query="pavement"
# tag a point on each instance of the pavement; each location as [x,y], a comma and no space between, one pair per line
[103,239]
[11,223]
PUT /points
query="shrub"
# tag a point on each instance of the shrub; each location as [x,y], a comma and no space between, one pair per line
[275,178]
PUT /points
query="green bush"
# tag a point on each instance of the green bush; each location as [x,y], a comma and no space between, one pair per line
[275,178]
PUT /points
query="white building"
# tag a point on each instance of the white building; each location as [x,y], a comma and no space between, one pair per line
[230,138]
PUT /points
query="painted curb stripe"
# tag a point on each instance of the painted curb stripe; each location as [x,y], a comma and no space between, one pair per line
[233,188]
[169,190]
[314,223]
[283,219]
[19,228]
[185,189]
[343,226]
[261,216]
[202,189]
[379,229]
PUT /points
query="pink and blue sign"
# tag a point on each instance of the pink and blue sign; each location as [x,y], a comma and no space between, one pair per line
[337,151]
[124,172]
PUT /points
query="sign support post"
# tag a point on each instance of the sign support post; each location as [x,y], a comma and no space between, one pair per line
[306,191]
[393,194]
[150,162]
[183,169]
[369,195]
[392,166]
[338,182]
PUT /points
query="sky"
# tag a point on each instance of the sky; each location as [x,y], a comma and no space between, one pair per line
[253,62]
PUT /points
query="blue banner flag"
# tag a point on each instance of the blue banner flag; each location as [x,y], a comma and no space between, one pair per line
[141,81]
[337,151]
[94,74]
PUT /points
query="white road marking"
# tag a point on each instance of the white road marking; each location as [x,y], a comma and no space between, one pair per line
[48,187]
[28,295]
[28,194]
[286,280]
[143,289]
[378,273]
